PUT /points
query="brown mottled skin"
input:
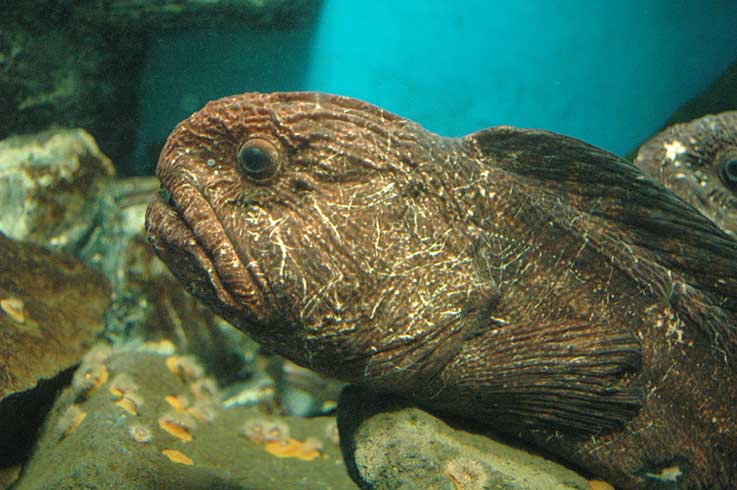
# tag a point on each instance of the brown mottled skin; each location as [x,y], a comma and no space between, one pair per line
[518,277]
[698,161]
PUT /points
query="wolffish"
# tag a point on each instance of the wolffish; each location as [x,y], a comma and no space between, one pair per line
[517,277]
[698,161]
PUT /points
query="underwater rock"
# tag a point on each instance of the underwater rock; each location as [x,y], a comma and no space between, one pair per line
[51,309]
[518,277]
[41,85]
[152,425]
[388,444]
[698,161]
[98,88]
[720,96]
[52,185]
[178,14]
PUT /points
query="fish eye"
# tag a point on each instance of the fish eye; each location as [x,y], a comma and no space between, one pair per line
[728,167]
[258,159]
[729,170]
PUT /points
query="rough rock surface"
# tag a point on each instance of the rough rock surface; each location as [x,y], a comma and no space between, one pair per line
[51,309]
[100,440]
[52,187]
[280,14]
[41,85]
[97,88]
[388,444]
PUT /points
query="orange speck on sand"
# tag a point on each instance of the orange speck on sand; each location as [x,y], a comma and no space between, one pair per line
[95,376]
[177,456]
[122,384]
[75,422]
[173,428]
[164,347]
[185,367]
[14,308]
[292,449]
[205,389]
[203,411]
[115,391]
[179,402]
[599,485]
[128,405]
[104,376]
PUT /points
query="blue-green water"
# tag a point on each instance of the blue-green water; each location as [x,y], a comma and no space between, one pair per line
[606,72]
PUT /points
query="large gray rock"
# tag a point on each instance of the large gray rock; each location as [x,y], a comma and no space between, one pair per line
[94,437]
[52,187]
[389,444]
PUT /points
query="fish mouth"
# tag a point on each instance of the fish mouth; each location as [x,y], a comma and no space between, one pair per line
[192,242]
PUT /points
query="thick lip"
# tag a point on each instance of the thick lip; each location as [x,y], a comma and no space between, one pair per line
[202,256]
[177,246]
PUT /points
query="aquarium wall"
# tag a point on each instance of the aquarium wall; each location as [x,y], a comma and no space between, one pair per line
[607,72]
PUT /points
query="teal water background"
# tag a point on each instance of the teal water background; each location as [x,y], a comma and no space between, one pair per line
[607,72]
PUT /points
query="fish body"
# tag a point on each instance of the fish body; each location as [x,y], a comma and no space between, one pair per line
[518,277]
[698,161]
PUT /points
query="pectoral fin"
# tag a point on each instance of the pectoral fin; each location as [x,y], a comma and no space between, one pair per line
[569,375]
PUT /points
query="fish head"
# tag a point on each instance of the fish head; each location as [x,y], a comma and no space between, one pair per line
[297,216]
[698,161]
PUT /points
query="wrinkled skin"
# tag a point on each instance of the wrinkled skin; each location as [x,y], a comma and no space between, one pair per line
[698,161]
[521,278]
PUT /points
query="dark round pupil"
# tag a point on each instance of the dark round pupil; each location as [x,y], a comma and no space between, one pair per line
[255,160]
[730,170]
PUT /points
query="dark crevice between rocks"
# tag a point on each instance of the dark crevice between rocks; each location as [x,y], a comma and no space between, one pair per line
[22,415]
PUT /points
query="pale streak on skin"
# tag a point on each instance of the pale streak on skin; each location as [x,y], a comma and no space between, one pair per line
[276,236]
[327,221]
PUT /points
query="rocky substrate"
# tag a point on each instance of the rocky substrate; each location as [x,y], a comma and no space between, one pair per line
[389,443]
[153,419]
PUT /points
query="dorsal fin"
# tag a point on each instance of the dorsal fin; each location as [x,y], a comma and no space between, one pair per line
[602,184]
